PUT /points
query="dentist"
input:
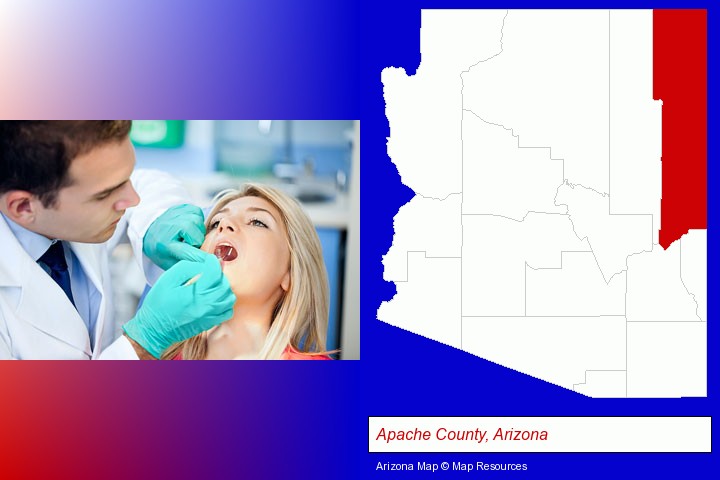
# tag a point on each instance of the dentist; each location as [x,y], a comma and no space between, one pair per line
[68,196]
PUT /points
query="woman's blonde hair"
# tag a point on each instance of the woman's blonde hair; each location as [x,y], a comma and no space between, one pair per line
[300,317]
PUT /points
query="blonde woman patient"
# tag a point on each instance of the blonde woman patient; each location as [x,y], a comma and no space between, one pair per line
[271,256]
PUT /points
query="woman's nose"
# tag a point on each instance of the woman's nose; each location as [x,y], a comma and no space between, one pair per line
[226,224]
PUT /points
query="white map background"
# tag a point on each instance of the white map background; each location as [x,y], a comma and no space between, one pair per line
[532,142]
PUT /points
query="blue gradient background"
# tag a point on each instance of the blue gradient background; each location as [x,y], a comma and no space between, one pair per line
[271,420]
[179,59]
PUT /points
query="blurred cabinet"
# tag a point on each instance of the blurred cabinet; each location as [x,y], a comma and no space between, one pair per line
[253,147]
[250,148]
[333,243]
[324,145]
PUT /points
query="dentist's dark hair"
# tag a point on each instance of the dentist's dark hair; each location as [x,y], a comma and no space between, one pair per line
[35,155]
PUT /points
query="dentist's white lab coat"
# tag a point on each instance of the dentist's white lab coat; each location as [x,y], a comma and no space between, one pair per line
[37,320]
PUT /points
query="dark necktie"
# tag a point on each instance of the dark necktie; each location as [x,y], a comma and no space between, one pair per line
[54,258]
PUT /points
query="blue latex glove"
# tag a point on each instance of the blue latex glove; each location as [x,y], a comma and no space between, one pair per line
[173,312]
[175,235]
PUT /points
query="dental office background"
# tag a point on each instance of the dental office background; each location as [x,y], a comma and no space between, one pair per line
[316,161]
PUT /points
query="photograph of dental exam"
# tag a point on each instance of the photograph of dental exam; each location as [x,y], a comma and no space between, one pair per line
[171,239]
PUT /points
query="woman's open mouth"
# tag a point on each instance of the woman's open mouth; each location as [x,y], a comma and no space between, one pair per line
[225,252]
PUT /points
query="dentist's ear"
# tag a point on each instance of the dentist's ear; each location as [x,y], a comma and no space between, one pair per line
[19,206]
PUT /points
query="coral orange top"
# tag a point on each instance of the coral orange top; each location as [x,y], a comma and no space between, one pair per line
[289,354]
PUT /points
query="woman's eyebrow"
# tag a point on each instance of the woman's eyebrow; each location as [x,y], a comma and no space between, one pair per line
[258,209]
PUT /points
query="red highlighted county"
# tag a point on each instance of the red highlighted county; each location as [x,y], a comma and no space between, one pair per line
[680,81]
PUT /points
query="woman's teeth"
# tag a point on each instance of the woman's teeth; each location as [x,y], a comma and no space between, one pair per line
[226,253]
